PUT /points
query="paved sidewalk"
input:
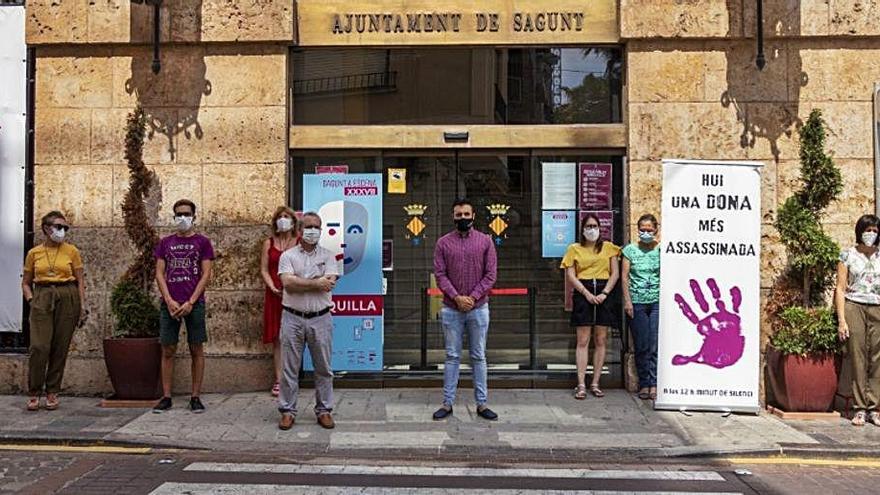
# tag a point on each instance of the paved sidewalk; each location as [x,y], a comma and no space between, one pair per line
[539,424]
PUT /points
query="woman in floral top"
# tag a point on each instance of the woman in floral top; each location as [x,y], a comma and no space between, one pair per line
[857,299]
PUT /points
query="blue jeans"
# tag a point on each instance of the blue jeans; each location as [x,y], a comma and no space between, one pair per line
[455,323]
[644,326]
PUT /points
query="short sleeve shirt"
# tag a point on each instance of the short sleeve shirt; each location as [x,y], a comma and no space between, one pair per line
[644,274]
[183,263]
[863,281]
[53,264]
[588,263]
[309,265]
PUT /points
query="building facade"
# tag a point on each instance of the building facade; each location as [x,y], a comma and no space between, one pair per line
[471,98]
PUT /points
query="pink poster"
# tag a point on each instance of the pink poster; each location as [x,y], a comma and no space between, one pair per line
[594,191]
[331,169]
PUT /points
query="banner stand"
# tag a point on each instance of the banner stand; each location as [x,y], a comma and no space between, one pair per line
[709,337]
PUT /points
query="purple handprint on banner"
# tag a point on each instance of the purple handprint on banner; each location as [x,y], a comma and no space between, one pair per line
[723,342]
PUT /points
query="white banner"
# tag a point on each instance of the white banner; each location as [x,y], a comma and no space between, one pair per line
[13,141]
[710,286]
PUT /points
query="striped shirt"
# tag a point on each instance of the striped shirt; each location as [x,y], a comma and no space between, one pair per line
[465,265]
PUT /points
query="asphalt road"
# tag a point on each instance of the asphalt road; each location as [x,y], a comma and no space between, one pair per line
[92,471]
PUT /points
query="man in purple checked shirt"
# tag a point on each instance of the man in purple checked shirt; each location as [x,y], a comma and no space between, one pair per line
[465,265]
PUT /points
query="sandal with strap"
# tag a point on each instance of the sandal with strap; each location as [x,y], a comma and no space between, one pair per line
[51,402]
[596,391]
[644,394]
[276,389]
[580,392]
[33,404]
[859,419]
[874,418]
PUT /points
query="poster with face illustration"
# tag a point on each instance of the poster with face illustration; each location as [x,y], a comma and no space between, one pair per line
[710,249]
[350,207]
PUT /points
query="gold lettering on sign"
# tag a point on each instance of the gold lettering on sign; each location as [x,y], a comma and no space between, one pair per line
[434,22]
[526,22]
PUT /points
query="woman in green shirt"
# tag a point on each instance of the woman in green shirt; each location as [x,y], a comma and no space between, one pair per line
[641,299]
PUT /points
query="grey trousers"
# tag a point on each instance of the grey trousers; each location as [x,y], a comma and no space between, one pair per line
[296,332]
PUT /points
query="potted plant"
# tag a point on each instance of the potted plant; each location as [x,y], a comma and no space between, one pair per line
[803,349]
[133,353]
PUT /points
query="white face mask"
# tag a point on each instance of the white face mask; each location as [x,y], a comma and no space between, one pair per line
[284,224]
[311,235]
[591,234]
[183,223]
[869,238]
[57,235]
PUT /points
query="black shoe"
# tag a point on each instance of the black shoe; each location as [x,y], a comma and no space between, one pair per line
[442,413]
[196,406]
[162,406]
[486,413]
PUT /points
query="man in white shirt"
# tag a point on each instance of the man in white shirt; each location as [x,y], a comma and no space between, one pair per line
[308,273]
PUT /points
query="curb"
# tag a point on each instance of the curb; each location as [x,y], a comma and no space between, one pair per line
[86,441]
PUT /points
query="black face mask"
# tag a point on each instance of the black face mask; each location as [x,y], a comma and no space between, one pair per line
[464,224]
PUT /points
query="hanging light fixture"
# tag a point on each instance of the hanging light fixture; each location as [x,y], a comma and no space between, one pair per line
[157,65]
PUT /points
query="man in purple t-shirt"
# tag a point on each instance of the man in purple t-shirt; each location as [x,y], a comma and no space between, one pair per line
[183,268]
[465,265]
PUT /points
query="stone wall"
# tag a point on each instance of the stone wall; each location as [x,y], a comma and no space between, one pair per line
[694,92]
[217,134]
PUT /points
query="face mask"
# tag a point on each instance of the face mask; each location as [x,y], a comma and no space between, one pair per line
[284,224]
[311,235]
[646,237]
[183,223]
[57,235]
[591,234]
[869,238]
[464,224]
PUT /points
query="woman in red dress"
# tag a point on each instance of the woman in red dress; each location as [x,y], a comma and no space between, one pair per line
[283,238]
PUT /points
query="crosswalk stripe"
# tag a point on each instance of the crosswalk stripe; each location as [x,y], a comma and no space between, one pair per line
[223,467]
[267,489]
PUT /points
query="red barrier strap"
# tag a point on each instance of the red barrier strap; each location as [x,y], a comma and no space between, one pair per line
[516,291]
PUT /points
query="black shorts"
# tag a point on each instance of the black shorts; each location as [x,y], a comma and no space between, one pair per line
[586,314]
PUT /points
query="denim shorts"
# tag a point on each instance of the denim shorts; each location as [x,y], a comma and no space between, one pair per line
[169,328]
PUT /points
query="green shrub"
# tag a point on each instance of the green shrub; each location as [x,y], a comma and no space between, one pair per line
[806,331]
[136,313]
[132,303]
[802,319]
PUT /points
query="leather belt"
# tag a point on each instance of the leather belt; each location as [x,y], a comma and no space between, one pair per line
[303,314]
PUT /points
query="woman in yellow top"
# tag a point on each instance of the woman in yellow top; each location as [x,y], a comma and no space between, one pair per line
[55,270]
[591,267]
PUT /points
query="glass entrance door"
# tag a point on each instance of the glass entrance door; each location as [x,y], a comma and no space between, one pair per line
[505,188]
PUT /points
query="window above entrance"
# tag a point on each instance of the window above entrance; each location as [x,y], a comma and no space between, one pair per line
[461,85]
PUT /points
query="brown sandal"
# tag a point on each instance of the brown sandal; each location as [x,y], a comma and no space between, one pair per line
[33,404]
[580,392]
[51,402]
[596,391]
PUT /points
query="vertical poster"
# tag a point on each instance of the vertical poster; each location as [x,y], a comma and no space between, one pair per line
[13,143]
[558,191]
[710,286]
[557,232]
[594,186]
[350,207]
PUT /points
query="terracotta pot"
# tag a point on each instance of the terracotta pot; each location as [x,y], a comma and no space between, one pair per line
[134,366]
[802,384]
